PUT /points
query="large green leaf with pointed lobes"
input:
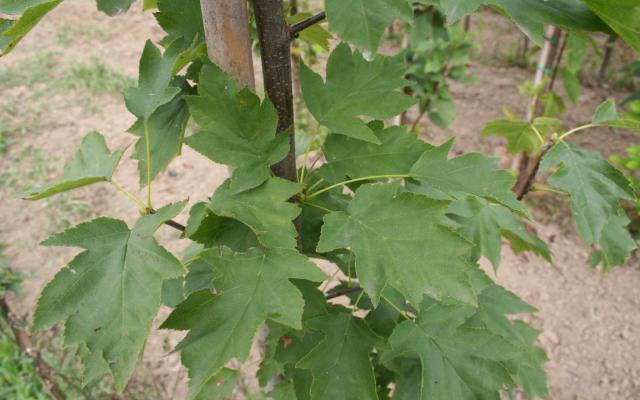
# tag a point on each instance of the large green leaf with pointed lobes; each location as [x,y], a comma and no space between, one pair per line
[533,15]
[229,136]
[595,187]
[522,135]
[181,20]
[607,115]
[398,241]
[471,173]
[362,22]
[484,224]
[265,210]
[114,7]
[457,362]
[340,363]
[623,16]
[12,31]
[166,129]
[355,88]
[496,308]
[251,289]
[110,293]
[351,158]
[154,83]
[92,163]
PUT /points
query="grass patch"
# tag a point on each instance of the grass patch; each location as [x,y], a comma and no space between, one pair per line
[95,77]
[68,33]
[36,69]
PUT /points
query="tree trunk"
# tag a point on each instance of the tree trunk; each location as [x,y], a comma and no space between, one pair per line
[275,42]
[226,27]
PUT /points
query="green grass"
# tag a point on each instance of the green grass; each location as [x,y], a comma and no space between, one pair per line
[68,33]
[36,69]
[96,77]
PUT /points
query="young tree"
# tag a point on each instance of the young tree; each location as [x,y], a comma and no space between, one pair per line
[402,222]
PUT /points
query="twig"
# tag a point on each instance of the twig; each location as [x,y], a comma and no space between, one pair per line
[295,29]
[525,187]
[343,292]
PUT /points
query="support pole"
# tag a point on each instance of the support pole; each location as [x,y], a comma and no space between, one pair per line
[226,27]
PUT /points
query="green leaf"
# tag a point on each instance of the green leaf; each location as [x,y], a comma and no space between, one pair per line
[362,22]
[92,163]
[264,210]
[154,82]
[166,128]
[442,110]
[12,31]
[521,135]
[471,173]
[229,136]
[252,288]
[623,17]
[457,362]
[114,7]
[355,88]
[607,115]
[605,112]
[340,363]
[219,386]
[284,391]
[595,188]
[181,20]
[351,158]
[483,223]
[533,15]
[398,242]
[213,230]
[110,293]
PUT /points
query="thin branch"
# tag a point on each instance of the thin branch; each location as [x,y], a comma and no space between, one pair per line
[343,292]
[525,187]
[295,29]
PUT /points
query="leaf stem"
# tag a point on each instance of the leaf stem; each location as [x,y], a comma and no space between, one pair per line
[545,188]
[318,207]
[574,130]
[355,305]
[315,185]
[130,195]
[398,310]
[148,156]
[537,132]
[366,178]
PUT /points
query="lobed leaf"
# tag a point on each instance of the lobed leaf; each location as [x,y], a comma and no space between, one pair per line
[229,136]
[252,288]
[92,163]
[355,88]
[12,31]
[154,83]
[484,223]
[623,18]
[471,173]
[265,210]
[362,22]
[351,158]
[398,241]
[521,135]
[595,188]
[340,363]
[110,293]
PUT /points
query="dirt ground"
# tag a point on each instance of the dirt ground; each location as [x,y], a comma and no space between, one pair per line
[591,321]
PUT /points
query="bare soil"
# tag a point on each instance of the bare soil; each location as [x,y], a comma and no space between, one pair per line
[591,321]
